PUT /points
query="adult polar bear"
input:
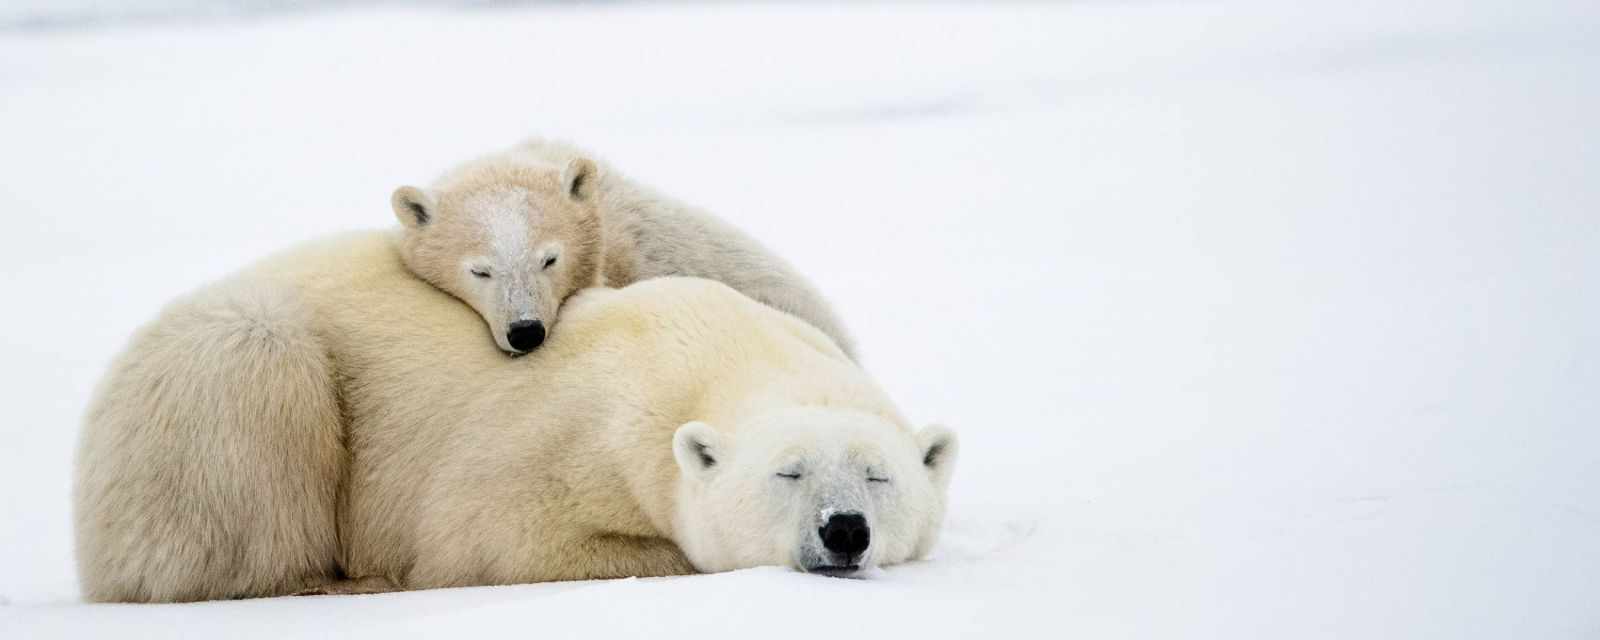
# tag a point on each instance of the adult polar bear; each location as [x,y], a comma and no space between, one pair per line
[325,421]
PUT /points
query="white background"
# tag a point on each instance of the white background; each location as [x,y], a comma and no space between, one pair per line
[1258,320]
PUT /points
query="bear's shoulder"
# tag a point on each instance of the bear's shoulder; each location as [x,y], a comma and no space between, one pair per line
[675,306]
[366,253]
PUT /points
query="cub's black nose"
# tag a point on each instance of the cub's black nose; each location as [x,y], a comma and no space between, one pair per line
[846,533]
[526,335]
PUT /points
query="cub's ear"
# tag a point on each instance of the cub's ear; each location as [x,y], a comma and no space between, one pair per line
[413,207]
[696,447]
[939,447]
[578,178]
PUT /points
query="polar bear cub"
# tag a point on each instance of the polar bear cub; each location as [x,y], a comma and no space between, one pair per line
[280,432]
[516,232]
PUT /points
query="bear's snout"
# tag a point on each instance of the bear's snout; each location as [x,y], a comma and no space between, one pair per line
[525,335]
[847,535]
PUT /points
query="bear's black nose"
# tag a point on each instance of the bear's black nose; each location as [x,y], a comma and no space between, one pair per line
[846,533]
[526,335]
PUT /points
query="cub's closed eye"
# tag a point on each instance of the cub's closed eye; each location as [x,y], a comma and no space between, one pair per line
[872,479]
[480,274]
[548,262]
[789,476]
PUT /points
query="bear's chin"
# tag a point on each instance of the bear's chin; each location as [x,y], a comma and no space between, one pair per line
[836,571]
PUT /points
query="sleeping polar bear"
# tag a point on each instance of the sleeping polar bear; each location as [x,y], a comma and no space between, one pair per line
[326,422]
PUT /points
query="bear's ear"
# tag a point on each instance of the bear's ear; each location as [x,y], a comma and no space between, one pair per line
[695,446]
[413,207]
[578,178]
[939,447]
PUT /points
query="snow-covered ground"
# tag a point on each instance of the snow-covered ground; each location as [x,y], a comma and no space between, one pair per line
[1258,320]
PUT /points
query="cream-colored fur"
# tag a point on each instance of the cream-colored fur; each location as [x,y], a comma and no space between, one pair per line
[486,232]
[326,422]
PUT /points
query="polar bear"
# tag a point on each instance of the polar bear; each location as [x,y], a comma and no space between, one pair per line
[516,232]
[325,422]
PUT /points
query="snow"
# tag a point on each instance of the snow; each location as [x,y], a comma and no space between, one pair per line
[1255,319]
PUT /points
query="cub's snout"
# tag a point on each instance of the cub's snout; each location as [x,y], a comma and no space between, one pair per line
[526,335]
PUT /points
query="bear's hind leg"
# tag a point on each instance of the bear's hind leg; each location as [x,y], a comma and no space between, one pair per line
[352,586]
[211,456]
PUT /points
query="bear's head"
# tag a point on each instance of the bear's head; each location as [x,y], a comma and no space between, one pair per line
[512,240]
[823,490]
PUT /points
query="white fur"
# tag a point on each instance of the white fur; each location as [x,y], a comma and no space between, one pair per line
[639,234]
[764,518]
[326,421]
